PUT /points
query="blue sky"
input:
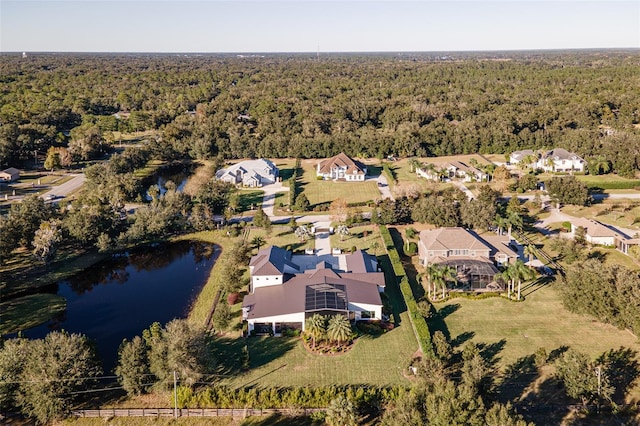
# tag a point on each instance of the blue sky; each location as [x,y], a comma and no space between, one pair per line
[306,26]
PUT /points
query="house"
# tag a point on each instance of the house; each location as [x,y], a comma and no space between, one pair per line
[341,167]
[473,257]
[251,173]
[560,160]
[429,172]
[527,155]
[595,232]
[287,289]
[460,170]
[9,175]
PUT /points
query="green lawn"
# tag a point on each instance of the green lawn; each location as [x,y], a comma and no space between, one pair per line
[281,236]
[248,198]
[521,328]
[321,191]
[358,239]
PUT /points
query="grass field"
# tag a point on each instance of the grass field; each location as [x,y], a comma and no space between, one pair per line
[321,191]
[518,329]
[29,311]
[620,213]
[281,236]
[371,242]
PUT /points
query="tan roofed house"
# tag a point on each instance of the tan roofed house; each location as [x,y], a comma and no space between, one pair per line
[341,167]
[473,257]
[9,175]
[285,289]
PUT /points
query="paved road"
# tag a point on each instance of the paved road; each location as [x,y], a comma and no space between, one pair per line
[268,200]
[66,188]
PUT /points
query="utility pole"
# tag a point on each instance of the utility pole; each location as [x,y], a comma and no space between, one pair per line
[599,376]
[175,395]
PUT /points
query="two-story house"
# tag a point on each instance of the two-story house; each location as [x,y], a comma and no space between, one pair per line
[341,167]
[286,289]
[473,257]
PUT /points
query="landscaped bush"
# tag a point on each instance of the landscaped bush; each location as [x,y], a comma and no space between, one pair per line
[232,298]
[411,249]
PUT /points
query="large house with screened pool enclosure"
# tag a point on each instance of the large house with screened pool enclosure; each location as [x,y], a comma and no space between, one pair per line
[286,289]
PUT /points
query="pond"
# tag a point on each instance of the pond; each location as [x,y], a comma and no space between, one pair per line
[118,298]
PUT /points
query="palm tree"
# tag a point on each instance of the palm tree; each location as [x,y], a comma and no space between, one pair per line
[339,329]
[514,221]
[518,271]
[439,276]
[316,327]
[530,251]
[506,276]
[501,223]
[257,242]
[599,165]
[414,164]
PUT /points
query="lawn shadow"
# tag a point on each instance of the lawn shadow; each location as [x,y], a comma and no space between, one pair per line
[286,174]
[437,321]
[536,285]
[374,171]
[490,351]
[547,404]
[262,350]
[518,377]
[462,338]
[557,353]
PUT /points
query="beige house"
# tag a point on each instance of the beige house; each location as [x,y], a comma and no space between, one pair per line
[341,167]
[286,289]
[9,175]
[560,160]
[475,258]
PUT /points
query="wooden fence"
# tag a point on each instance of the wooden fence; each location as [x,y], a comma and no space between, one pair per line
[193,412]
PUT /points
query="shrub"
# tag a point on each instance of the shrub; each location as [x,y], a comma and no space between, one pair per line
[232,298]
[411,249]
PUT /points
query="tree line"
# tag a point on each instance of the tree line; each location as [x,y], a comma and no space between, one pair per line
[292,106]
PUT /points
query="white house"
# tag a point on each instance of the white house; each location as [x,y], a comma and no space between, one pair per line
[429,172]
[251,173]
[341,167]
[517,157]
[460,170]
[560,160]
[285,289]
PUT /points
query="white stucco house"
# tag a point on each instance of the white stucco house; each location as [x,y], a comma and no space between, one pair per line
[341,167]
[250,173]
[595,232]
[560,160]
[286,289]
[526,155]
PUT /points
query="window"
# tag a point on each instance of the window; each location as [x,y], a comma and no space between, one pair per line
[367,314]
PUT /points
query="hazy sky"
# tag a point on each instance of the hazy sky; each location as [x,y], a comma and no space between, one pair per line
[306,26]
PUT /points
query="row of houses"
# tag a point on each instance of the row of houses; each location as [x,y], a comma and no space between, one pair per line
[451,170]
[260,172]
[557,160]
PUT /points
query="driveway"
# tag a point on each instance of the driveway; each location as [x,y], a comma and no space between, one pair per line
[383,186]
[66,188]
[464,189]
[269,197]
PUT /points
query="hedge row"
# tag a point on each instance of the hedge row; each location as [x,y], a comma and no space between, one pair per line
[419,324]
[366,398]
[390,173]
[629,184]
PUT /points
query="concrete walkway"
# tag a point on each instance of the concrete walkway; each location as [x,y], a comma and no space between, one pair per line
[464,189]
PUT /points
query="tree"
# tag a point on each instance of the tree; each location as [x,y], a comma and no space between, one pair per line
[476,373]
[341,412]
[46,239]
[316,328]
[568,190]
[178,347]
[133,366]
[86,142]
[518,271]
[582,379]
[302,232]
[221,316]
[339,329]
[261,219]
[55,369]
[530,251]
[442,347]
[340,208]
[13,354]
[599,165]
[302,203]
[257,242]
[53,160]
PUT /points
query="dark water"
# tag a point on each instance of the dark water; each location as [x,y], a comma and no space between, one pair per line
[120,297]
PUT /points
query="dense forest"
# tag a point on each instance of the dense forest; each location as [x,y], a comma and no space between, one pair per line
[301,106]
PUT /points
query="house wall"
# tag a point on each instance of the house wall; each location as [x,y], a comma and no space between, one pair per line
[604,241]
[265,281]
[297,317]
[358,307]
